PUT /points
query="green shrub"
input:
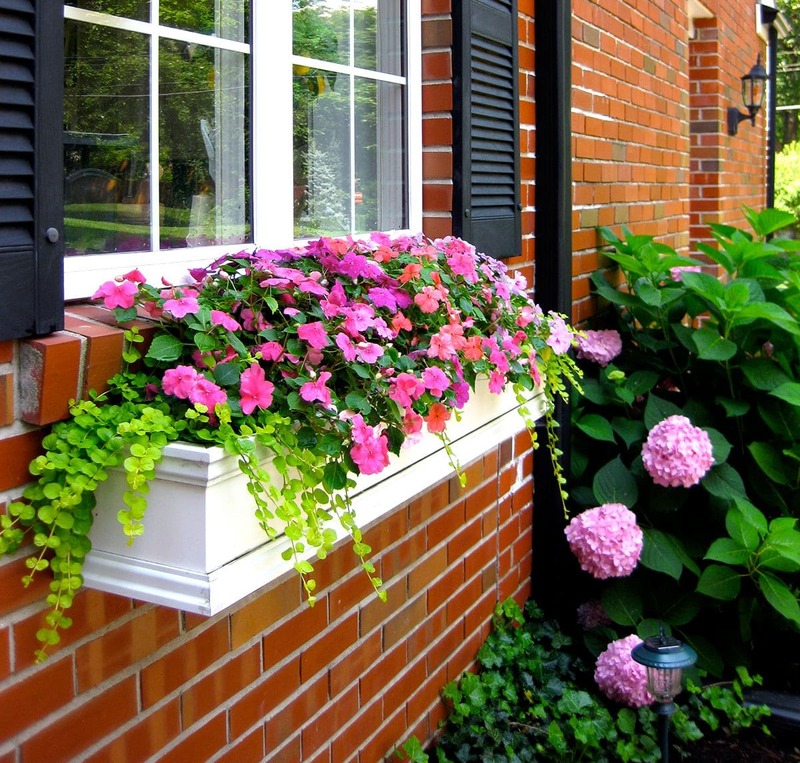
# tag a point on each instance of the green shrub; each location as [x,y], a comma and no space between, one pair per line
[787,178]
[534,700]
[720,560]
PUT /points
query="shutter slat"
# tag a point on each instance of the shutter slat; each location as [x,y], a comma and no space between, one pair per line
[14,71]
[15,119]
[15,142]
[15,214]
[15,189]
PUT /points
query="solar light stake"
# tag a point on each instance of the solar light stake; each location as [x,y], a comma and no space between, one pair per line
[665,658]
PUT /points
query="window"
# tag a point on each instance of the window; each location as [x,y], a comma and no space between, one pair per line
[195,126]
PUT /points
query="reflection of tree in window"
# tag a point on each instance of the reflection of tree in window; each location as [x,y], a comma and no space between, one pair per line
[109,128]
[323,165]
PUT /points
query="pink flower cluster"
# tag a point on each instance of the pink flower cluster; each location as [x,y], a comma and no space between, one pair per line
[600,347]
[676,273]
[606,540]
[186,383]
[619,677]
[677,454]
[367,342]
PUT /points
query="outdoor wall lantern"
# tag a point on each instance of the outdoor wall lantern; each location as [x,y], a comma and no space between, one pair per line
[665,658]
[753,87]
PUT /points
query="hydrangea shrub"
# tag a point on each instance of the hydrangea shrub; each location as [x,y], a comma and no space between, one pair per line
[692,420]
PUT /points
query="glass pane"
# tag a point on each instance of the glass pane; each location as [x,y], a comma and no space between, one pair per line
[380,191]
[321,30]
[378,37]
[218,18]
[129,9]
[106,140]
[204,170]
[321,155]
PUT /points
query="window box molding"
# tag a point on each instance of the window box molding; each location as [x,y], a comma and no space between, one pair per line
[202,549]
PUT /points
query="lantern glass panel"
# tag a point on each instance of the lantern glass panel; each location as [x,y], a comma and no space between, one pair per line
[664,684]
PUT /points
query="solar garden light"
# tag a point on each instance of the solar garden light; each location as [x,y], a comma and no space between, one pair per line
[665,658]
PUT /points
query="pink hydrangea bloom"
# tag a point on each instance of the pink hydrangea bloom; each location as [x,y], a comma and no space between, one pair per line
[676,273]
[677,454]
[600,347]
[606,540]
[619,677]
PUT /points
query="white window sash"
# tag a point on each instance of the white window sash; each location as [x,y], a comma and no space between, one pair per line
[271,146]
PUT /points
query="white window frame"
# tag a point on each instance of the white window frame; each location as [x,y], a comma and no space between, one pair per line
[272,154]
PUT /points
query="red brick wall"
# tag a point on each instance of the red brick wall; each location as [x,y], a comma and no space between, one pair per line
[727,172]
[650,147]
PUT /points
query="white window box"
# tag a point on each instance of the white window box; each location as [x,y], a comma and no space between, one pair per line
[202,549]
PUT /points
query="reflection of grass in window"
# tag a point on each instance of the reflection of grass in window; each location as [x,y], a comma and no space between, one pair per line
[88,229]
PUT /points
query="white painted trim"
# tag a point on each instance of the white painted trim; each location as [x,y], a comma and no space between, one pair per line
[696,10]
[208,593]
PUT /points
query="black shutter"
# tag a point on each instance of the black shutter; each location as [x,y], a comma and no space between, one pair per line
[486,202]
[31,189]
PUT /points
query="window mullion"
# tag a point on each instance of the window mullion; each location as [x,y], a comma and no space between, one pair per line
[155,128]
[352,78]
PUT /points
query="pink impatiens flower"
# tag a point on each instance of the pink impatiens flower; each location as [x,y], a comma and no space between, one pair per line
[600,347]
[370,451]
[254,390]
[313,333]
[619,677]
[221,318]
[435,380]
[677,454]
[497,381]
[179,381]
[405,389]
[606,540]
[317,390]
[182,305]
[206,393]
[117,294]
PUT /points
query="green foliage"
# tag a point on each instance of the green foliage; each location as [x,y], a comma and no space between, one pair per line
[535,700]
[787,178]
[720,558]
[292,355]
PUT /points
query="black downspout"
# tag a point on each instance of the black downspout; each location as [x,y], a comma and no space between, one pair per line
[553,286]
[768,16]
